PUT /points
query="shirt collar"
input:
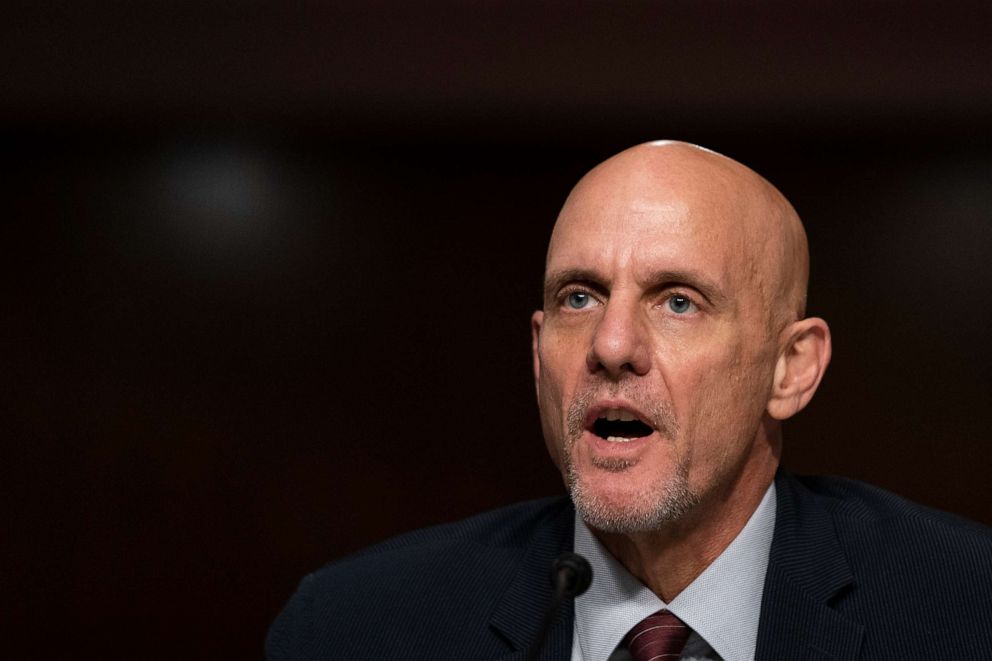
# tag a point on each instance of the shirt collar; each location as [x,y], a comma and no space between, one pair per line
[722,605]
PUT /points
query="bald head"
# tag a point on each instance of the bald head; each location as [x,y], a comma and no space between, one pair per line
[708,195]
[674,291]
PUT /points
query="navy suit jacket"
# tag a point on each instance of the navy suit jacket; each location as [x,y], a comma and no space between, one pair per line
[854,573]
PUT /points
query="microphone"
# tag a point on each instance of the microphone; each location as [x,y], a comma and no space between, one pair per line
[571,575]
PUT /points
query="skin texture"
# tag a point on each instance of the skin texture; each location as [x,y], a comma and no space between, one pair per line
[675,289]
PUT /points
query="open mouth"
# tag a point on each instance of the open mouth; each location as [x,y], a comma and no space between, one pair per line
[619,425]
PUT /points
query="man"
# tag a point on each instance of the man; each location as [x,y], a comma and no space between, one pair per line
[671,345]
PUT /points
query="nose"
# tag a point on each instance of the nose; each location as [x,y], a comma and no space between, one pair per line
[620,343]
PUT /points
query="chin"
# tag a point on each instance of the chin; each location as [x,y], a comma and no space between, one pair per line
[618,504]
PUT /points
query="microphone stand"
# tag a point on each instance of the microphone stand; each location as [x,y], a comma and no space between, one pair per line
[571,575]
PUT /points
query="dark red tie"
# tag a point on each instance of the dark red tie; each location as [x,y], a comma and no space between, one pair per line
[658,636]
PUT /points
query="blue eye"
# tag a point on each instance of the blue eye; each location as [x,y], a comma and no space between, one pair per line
[578,300]
[679,304]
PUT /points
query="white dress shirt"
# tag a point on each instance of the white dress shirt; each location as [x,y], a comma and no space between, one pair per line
[721,606]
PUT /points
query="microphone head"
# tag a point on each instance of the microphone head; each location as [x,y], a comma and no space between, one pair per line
[571,574]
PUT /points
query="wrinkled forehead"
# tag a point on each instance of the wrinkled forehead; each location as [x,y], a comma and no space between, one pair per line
[645,223]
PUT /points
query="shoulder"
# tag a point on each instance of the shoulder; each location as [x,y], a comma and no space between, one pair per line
[916,581]
[507,527]
[861,507]
[431,578]
[902,550]
[502,533]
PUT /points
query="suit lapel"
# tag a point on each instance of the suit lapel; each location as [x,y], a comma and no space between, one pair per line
[807,573]
[519,612]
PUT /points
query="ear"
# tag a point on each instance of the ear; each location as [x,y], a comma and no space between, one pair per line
[536,321]
[804,358]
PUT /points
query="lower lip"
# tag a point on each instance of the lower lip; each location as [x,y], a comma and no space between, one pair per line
[603,447]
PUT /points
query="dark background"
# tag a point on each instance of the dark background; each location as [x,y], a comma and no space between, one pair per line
[269,271]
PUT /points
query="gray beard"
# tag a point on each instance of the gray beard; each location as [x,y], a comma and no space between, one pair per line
[661,503]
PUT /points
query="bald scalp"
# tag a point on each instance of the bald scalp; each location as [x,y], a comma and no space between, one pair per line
[737,203]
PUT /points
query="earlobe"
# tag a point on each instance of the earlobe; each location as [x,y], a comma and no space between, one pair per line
[536,321]
[800,367]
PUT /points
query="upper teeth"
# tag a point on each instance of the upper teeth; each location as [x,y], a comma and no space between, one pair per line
[619,414]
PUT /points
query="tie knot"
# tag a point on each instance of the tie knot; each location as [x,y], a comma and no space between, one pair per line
[658,636]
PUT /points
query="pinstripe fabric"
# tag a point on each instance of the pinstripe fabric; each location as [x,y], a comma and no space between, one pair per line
[474,590]
[854,573]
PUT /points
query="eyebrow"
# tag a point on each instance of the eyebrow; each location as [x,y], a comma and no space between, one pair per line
[661,278]
[553,282]
[707,288]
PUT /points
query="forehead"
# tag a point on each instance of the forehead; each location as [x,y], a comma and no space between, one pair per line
[641,224]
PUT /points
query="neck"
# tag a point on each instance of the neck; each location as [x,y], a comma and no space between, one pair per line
[669,558]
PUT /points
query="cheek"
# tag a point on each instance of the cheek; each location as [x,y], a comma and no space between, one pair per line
[562,363]
[551,406]
[719,398]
